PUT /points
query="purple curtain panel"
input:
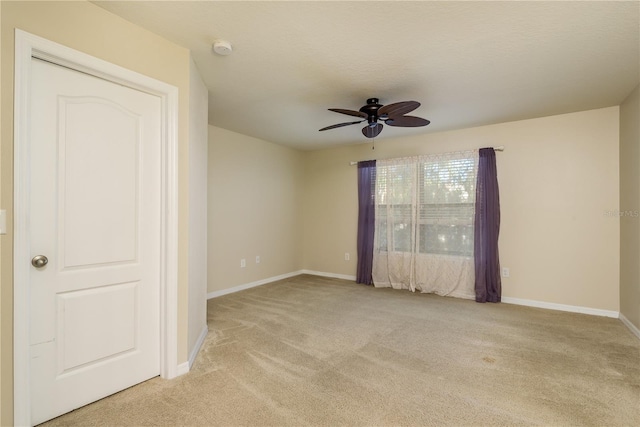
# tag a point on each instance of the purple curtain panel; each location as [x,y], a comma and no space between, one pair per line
[488,285]
[366,220]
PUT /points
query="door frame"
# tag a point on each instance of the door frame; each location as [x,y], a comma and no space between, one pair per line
[27,46]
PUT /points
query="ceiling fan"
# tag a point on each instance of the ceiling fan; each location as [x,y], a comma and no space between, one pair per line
[391,114]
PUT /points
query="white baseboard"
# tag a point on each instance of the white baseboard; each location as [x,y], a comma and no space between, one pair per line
[634,330]
[182,369]
[506,300]
[561,307]
[332,275]
[198,345]
[238,288]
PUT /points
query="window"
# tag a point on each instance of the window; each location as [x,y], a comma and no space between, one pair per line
[446,210]
[426,204]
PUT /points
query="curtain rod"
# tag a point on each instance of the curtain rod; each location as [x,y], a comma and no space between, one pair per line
[498,148]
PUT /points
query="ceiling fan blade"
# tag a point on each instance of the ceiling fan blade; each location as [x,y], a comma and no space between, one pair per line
[372,131]
[407,121]
[339,125]
[350,112]
[398,109]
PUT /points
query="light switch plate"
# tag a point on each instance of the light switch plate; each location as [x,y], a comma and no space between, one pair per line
[3,221]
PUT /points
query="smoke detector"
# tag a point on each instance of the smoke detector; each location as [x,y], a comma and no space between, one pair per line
[222,47]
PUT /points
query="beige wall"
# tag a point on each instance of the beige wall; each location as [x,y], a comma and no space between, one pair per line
[255,192]
[558,177]
[6,365]
[90,29]
[630,207]
[198,169]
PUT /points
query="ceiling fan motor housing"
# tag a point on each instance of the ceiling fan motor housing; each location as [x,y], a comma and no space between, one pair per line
[371,110]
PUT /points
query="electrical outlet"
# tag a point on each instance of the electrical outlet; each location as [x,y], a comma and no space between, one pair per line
[243,263]
[347,257]
[258,259]
[505,271]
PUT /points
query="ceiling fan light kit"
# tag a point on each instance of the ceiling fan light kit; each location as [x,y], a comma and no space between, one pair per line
[391,114]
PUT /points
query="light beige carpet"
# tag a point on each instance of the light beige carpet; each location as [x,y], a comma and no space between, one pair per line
[328,352]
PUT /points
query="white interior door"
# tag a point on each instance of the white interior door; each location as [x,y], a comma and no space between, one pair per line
[95,202]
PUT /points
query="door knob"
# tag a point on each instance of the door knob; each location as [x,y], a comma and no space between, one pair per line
[39,261]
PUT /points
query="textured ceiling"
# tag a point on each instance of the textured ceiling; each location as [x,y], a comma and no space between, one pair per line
[468,63]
